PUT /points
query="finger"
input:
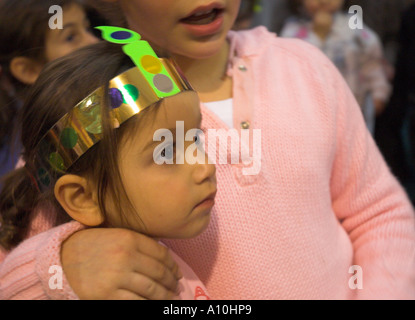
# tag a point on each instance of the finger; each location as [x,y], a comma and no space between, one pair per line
[155,270]
[147,288]
[123,294]
[152,248]
[177,272]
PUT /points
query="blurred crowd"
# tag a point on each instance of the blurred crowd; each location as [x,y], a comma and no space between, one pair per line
[377,61]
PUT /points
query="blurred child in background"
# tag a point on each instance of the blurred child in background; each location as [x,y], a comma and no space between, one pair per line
[395,128]
[28,44]
[357,53]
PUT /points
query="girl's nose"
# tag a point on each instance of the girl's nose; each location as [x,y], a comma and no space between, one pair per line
[204,172]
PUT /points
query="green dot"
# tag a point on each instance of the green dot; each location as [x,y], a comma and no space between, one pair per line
[131,92]
[56,162]
[43,176]
[69,138]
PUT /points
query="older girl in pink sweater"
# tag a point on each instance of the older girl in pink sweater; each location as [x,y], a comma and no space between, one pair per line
[323,206]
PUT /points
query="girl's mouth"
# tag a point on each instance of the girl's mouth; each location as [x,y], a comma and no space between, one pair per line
[202,17]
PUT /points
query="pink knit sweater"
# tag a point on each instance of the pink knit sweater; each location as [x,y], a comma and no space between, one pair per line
[323,202]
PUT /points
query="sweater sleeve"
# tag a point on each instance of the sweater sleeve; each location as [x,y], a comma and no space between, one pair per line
[32,271]
[370,204]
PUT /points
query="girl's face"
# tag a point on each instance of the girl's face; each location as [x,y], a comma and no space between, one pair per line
[74,35]
[195,29]
[172,200]
[329,6]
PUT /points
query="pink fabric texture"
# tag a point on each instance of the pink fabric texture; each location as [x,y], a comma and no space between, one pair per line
[24,273]
[22,276]
[324,200]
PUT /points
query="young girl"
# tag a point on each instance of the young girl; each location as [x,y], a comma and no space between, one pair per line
[27,44]
[357,53]
[124,188]
[323,205]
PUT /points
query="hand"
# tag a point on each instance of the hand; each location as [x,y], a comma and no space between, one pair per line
[322,24]
[118,264]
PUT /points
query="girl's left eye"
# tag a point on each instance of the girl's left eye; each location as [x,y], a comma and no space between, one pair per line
[70,38]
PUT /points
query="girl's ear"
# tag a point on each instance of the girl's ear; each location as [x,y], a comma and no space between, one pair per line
[25,70]
[78,199]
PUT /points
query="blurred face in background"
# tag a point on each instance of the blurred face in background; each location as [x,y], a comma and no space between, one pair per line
[329,6]
[57,43]
[74,35]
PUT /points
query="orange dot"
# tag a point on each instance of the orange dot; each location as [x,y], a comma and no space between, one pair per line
[151,64]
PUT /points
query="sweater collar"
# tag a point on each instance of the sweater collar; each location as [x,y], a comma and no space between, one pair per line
[247,43]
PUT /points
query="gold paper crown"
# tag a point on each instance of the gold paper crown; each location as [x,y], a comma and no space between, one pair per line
[129,93]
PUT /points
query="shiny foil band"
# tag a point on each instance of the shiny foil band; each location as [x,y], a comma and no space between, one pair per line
[79,130]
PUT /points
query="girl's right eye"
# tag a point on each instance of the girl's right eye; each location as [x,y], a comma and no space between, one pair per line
[167,154]
[70,38]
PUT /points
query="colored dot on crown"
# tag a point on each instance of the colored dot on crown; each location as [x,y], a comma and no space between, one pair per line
[121,35]
[44,177]
[163,83]
[151,64]
[116,98]
[69,138]
[130,92]
[56,162]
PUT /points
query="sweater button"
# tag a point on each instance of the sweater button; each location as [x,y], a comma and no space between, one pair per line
[245,125]
[242,68]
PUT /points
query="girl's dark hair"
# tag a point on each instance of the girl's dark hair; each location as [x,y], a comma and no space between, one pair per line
[62,84]
[110,11]
[23,30]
